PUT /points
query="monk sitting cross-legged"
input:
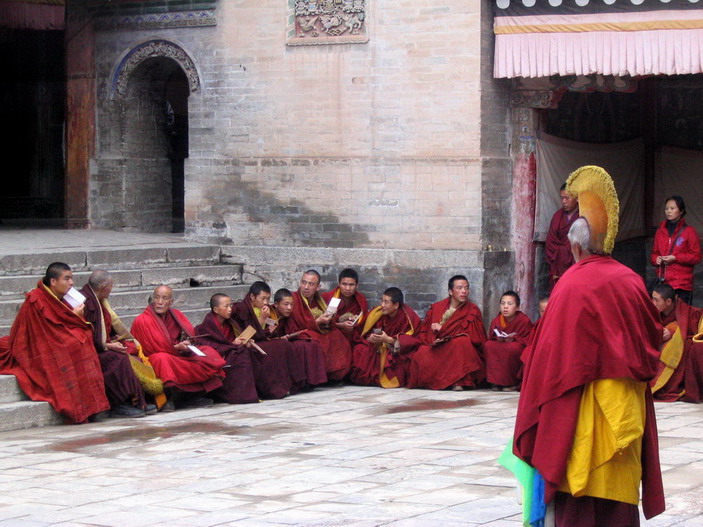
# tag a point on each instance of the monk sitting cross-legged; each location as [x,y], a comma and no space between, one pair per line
[310,313]
[352,307]
[375,358]
[507,337]
[167,338]
[445,352]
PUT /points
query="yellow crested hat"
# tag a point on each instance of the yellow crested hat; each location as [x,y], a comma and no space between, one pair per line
[598,203]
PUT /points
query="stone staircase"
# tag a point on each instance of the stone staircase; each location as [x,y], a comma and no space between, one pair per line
[195,272]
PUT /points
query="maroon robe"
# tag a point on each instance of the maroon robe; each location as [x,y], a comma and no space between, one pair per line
[455,360]
[158,337]
[239,385]
[355,305]
[278,350]
[600,324]
[121,384]
[50,352]
[315,371]
[684,383]
[557,249]
[503,364]
[332,342]
[366,360]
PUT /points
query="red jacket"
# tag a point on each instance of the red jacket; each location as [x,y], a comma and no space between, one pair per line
[685,246]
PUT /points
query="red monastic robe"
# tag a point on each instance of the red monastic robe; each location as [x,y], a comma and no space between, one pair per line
[239,385]
[354,305]
[456,360]
[315,371]
[158,336]
[50,351]
[683,382]
[332,342]
[121,384]
[503,364]
[377,365]
[599,324]
[557,249]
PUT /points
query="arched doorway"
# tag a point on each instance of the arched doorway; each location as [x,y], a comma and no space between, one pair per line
[144,140]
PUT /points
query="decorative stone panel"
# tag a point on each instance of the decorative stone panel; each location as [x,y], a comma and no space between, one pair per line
[314,22]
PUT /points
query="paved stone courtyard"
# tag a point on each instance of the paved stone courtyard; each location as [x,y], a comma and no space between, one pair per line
[346,456]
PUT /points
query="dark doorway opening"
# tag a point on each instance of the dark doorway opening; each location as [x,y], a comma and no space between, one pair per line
[32,113]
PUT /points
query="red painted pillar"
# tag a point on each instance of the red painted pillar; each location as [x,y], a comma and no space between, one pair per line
[523,204]
[80,116]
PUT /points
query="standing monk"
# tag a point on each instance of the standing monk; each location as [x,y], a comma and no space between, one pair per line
[50,350]
[375,360]
[585,419]
[352,306]
[310,312]
[507,337]
[122,387]
[557,250]
[446,351]
[220,333]
[167,336]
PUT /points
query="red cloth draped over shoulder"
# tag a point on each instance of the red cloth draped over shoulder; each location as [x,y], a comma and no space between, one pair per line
[366,361]
[50,351]
[453,362]
[354,305]
[503,364]
[579,340]
[239,385]
[332,342]
[557,249]
[305,346]
[158,336]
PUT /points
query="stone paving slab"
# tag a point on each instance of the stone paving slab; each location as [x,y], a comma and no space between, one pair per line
[348,456]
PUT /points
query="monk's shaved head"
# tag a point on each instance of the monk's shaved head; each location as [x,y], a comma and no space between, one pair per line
[162,299]
[163,290]
[99,279]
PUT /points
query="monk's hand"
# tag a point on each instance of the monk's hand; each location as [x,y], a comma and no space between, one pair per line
[265,313]
[669,258]
[116,346]
[323,319]
[666,335]
[436,327]
[182,347]
[79,309]
[347,325]
[659,260]
[239,342]
[375,338]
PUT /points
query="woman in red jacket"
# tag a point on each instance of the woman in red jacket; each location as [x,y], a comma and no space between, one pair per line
[676,249]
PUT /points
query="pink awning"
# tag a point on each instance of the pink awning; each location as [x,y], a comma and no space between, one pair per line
[34,15]
[656,42]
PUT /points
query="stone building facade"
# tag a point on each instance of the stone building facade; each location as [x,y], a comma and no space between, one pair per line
[381,143]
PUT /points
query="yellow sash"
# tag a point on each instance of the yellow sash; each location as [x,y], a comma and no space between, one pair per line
[374,316]
[671,354]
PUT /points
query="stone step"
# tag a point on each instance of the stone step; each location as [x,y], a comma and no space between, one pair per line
[127,303]
[10,391]
[27,414]
[131,257]
[128,279]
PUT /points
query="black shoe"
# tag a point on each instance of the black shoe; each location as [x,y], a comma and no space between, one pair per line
[124,410]
[198,402]
[168,407]
[99,417]
[151,409]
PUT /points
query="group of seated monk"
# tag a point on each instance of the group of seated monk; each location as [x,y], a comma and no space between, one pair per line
[81,358]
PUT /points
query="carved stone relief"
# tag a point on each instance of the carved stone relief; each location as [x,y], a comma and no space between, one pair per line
[153,49]
[327,22]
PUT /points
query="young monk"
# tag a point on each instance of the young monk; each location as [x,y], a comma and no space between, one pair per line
[507,337]
[352,306]
[220,333]
[315,371]
[280,356]
[375,359]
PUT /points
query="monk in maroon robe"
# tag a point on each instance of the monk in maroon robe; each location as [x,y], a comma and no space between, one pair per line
[50,350]
[676,376]
[507,337]
[375,359]
[122,387]
[557,250]
[600,326]
[310,313]
[282,359]
[315,371]
[352,308]
[167,336]
[445,353]
[220,333]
